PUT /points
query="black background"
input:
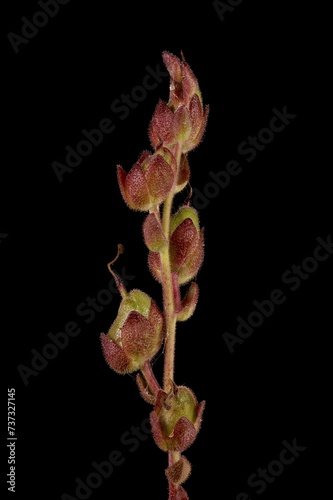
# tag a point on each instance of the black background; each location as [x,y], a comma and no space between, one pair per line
[62,234]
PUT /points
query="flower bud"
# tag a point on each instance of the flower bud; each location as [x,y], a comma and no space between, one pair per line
[183,83]
[185,212]
[136,334]
[153,233]
[186,247]
[183,119]
[148,183]
[186,244]
[176,419]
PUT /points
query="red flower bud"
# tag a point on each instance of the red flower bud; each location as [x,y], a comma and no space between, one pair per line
[183,83]
[186,244]
[176,419]
[185,126]
[186,248]
[153,233]
[148,182]
[183,120]
[161,126]
[187,251]
[136,334]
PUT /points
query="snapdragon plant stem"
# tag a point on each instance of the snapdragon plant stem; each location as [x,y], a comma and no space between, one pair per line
[168,293]
[169,307]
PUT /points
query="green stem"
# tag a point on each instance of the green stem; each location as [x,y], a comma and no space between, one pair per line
[169,308]
[168,295]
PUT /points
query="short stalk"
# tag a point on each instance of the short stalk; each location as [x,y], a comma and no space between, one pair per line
[149,376]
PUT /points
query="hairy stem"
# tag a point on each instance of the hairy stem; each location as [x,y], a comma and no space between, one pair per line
[169,309]
[168,294]
[149,376]
[174,456]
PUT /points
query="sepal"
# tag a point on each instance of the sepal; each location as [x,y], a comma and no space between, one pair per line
[189,302]
[153,233]
[179,472]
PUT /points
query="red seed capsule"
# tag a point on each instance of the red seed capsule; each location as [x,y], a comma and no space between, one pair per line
[136,334]
[148,183]
[176,419]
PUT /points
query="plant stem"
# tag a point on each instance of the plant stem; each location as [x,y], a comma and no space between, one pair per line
[174,456]
[168,295]
[169,308]
[153,385]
